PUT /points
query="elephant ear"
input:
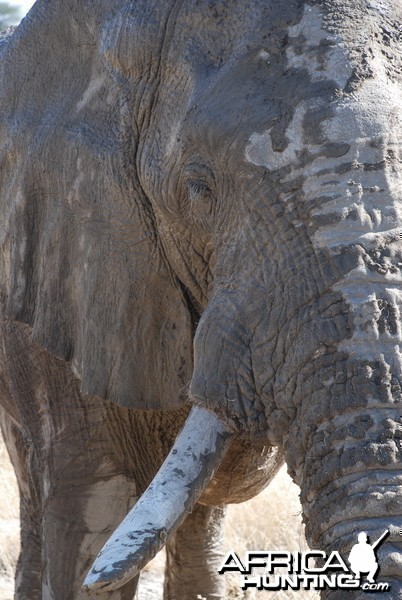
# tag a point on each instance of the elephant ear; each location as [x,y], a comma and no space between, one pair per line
[80,259]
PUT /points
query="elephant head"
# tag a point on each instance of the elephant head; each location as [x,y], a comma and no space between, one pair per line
[210,192]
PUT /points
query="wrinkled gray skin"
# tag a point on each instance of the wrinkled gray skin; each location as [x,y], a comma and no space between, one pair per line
[216,177]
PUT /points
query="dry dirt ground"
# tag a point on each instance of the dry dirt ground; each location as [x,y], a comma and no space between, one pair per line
[271,521]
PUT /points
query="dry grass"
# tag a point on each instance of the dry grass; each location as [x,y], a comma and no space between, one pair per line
[271,521]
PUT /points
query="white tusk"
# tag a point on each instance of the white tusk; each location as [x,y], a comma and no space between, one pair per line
[197,453]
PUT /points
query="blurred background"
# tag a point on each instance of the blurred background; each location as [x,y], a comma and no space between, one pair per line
[12,11]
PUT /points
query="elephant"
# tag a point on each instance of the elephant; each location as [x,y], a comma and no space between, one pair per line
[200,278]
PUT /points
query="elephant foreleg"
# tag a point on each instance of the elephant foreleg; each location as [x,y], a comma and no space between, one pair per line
[72,476]
[89,494]
[76,524]
[193,556]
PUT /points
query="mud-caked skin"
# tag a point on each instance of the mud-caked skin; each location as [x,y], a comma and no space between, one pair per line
[206,196]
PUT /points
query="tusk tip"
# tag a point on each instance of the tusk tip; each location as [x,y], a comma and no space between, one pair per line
[107,578]
[94,582]
[123,556]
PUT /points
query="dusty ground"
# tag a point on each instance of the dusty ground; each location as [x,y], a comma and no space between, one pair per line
[268,522]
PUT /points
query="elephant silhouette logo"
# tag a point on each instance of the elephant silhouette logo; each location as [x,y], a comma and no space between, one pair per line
[362,557]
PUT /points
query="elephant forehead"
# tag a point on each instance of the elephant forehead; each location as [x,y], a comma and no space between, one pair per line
[316,49]
[162,35]
[260,150]
[354,83]
[251,95]
[275,87]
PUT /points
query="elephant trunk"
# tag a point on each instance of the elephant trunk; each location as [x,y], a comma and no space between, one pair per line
[351,478]
[190,465]
[344,443]
[343,368]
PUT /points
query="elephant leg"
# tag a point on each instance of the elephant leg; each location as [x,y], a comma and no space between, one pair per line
[89,494]
[70,546]
[28,570]
[74,482]
[76,524]
[194,554]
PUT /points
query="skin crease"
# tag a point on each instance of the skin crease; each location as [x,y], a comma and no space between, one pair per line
[213,177]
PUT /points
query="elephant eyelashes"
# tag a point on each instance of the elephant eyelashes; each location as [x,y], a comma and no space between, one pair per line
[199,197]
[199,194]
[197,189]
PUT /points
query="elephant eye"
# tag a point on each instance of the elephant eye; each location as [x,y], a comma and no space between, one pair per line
[197,190]
[199,185]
